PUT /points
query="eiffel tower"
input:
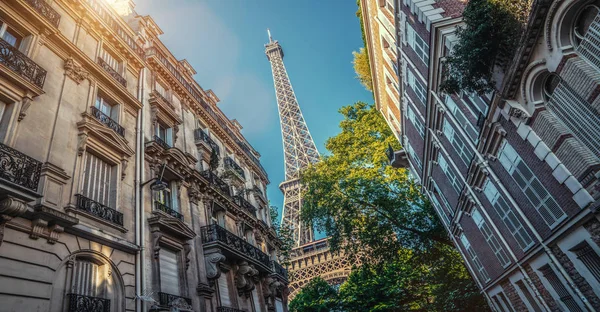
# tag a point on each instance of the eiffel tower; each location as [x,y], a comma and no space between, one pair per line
[310,258]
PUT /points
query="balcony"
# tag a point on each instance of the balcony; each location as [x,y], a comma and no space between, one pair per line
[112,72]
[242,202]
[232,245]
[201,136]
[165,299]
[21,65]
[216,182]
[19,169]
[45,10]
[279,270]
[168,210]
[228,309]
[81,303]
[231,164]
[161,142]
[107,121]
[255,160]
[99,210]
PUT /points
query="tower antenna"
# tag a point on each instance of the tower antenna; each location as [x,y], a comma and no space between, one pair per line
[269,32]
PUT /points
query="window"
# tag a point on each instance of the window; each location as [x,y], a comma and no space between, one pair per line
[457,142]
[563,294]
[160,88]
[450,174]
[224,290]
[502,302]
[461,119]
[476,262]
[417,87]
[588,256]
[88,278]
[168,197]
[111,60]
[529,300]
[107,107]
[587,34]
[436,203]
[531,186]
[490,238]
[510,220]
[164,133]
[419,45]
[10,35]
[99,180]
[414,156]
[169,271]
[416,121]
[447,205]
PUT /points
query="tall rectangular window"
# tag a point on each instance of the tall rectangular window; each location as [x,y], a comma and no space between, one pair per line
[164,133]
[447,205]
[490,238]
[531,186]
[458,143]
[416,121]
[111,60]
[528,297]
[98,180]
[474,259]
[417,87]
[414,156]
[589,257]
[169,272]
[456,185]
[563,293]
[10,35]
[508,216]
[87,278]
[437,204]
[417,43]
[224,290]
[461,119]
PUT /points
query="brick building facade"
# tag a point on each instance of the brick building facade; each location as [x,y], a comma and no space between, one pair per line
[514,173]
[123,187]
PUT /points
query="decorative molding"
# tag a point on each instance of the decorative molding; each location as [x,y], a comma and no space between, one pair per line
[10,207]
[212,261]
[25,104]
[244,278]
[37,228]
[75,71]
[124,163]
[81,143]
[204,290]
[515,109]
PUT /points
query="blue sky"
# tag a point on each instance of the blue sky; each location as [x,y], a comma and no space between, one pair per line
[224,41]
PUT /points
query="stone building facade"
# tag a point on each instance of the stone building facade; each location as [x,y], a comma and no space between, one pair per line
[513,174]
[123,187]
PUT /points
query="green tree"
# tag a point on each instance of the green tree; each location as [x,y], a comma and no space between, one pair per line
[316,296]
[362,68]
[285,235]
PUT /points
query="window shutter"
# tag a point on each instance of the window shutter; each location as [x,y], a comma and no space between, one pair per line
[97,180]
[256,300]
[174,197]
[169,137]
[224,291]
[86,278]
[169,272]
[278,305]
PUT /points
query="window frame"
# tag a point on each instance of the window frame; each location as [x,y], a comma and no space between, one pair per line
[490,238]
[418,45]
[452,177]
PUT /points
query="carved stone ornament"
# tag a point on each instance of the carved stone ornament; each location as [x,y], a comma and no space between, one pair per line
[180,304]
[75,71]
[194,193]
[212,265]
[516,110]
[81,143]
[204,290]
[244,278]
[124,164]
[186,250]
[155,243]
[25,103]
[9,208]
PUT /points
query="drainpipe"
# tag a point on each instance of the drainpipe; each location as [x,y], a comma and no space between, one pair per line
[139,200]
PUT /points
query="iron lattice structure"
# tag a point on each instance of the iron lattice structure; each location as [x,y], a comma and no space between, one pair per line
[309,258]
[298,147]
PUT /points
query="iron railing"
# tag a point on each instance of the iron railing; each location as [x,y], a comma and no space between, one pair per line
[231,164]
[161,142]
[107,17]
[107,121]
[278,269]
[168,210]
[242,202]
[81,303]
[216,234]
[45,10]
[217,182]
[112,72]
[255,160]
[200,135]
[18,62]
[165,299]
[19,168]
[228,309]
[99,210]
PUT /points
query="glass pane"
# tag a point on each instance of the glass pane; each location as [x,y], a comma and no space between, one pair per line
[10,38]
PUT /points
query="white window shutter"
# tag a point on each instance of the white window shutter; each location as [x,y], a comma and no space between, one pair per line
[224,291]
[170,136]
[174,197]
[169,272]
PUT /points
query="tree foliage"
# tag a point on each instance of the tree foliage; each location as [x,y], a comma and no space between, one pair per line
[377,213]
[285,235]
[316,296]
[490,36]
[362,68]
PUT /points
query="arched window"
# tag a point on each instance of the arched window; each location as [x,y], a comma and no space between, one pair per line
[585,18]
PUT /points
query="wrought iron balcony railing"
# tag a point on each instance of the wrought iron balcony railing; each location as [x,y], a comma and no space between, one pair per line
[18,62]
[161,142]
[216,234]
[107,121]
[81,303]
[165,299]
[278,269]
[45,10]
[255,160]
[108,18]
[112,72]
[99,210]
[231,164]
[242,202]
[168,210]
[228,309]
[19,168]
[216,182]
[200,135]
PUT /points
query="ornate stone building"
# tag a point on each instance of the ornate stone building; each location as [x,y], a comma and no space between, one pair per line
[123,187]
[513,174]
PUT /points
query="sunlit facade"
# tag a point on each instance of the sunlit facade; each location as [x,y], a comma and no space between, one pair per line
[513,174]
[123,187]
